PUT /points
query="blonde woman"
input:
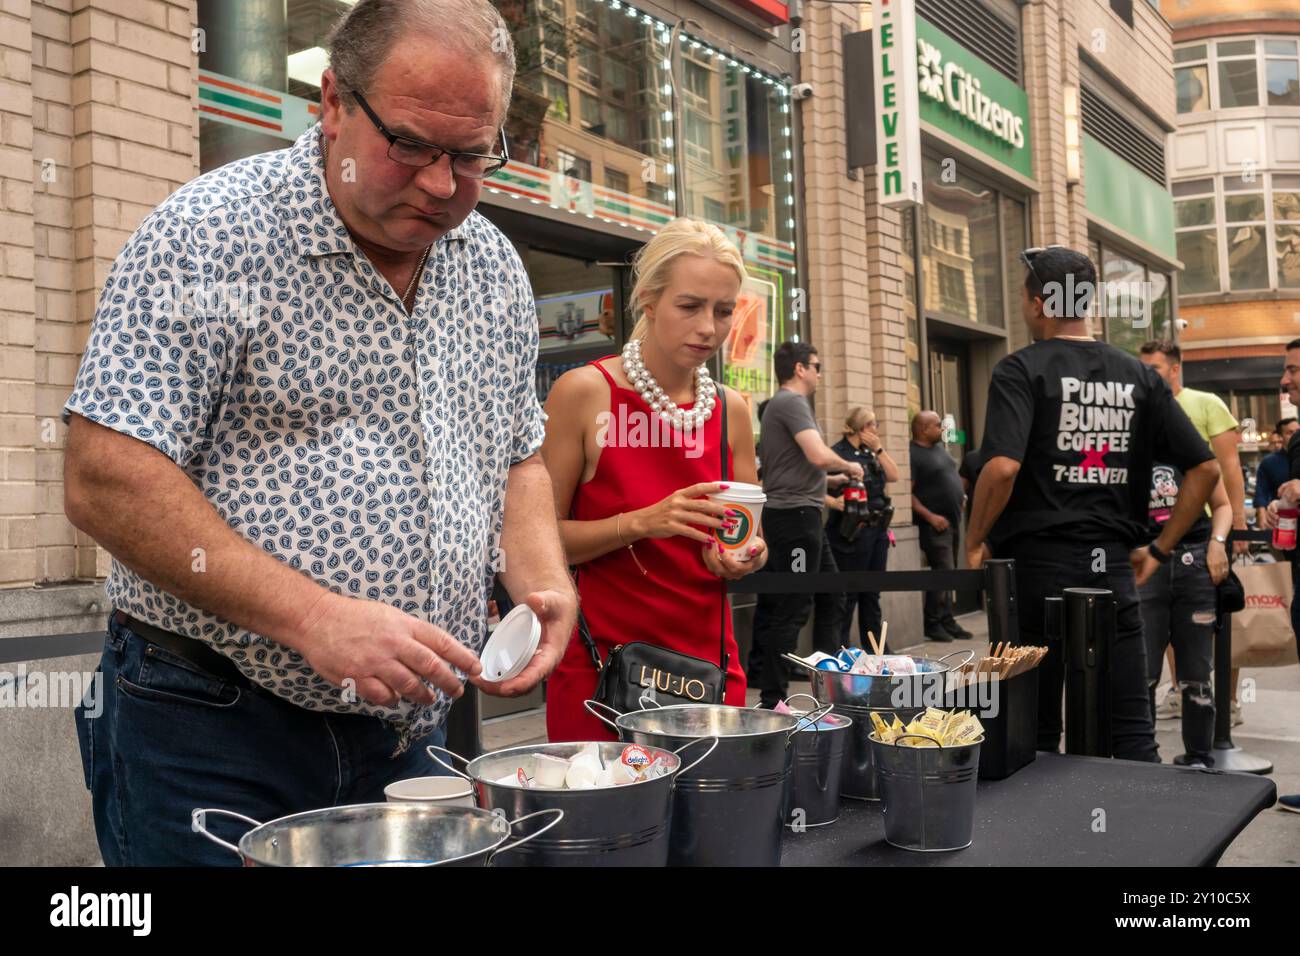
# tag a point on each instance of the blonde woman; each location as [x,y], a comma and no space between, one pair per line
[630,487]
[868,550]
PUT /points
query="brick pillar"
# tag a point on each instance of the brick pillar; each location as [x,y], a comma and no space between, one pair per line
[18,556]
[836,238]
[134,142]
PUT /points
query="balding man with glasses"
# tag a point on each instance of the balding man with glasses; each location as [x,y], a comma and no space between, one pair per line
[305,427]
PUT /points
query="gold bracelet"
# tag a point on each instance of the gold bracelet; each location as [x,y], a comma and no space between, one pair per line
[618,530]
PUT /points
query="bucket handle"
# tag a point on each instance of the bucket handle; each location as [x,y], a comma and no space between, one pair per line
[559,815]
[198,823]
[591,706]
[970,656]
[813,717]
[647,701]
[430,750]
[698,760]
[816,703]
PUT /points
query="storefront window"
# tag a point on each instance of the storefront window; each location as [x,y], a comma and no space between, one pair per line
[575,313]
[1138,302]
[961,266]
[591,94]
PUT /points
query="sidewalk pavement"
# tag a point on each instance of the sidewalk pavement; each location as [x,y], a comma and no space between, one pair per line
[1271,730]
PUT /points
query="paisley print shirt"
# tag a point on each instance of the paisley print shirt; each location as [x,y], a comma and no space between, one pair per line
[243,334]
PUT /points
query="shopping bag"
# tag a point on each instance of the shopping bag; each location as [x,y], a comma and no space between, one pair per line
[1262,634]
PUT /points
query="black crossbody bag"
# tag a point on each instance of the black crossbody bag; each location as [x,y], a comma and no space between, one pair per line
[637,669]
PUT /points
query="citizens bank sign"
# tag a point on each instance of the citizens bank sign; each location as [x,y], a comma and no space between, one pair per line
[925,77]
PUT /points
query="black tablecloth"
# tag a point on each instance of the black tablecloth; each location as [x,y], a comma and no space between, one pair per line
[1043,815]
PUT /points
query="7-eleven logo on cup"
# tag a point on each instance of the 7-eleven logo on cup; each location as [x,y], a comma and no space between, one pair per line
[742,530]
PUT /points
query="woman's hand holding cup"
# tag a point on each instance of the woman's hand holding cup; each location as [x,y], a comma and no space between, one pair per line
[733,565]
[686,512]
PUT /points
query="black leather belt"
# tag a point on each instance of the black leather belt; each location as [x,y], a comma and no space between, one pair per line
[186,648]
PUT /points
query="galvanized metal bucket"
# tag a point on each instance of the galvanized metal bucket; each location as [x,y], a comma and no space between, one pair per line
[731,811]
[813,794]
[927,794]
[376,834]
[856,696]
[627,825]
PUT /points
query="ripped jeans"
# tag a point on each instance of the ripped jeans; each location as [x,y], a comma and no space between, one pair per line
[1178,607]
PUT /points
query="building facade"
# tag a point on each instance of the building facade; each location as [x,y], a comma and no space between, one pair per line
[1040,122]
[1236,182]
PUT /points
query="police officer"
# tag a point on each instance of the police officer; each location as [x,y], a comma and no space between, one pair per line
[865,548]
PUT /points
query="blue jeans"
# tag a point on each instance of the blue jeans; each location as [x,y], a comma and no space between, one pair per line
[172,738]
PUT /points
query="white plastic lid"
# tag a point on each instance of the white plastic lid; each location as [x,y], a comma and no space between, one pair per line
[512,644]
[742,490]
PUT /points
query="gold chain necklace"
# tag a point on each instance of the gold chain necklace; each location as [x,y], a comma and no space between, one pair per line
[424,257]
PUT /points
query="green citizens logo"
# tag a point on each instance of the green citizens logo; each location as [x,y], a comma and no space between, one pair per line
[960,92]
[744,521]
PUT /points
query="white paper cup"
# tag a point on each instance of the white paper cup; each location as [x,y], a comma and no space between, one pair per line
[444,791]
[747,501]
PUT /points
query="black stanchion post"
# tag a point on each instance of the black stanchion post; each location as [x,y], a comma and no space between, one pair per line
[463,725]
[1227,755]
[1089,629]
[1000,602]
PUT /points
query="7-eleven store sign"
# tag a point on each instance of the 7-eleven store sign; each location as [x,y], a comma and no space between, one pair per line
[225,99]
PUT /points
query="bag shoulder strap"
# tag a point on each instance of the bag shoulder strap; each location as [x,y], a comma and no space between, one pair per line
[724,443]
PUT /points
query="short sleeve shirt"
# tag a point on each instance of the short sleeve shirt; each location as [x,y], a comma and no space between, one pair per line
[1087,422]
[244,335]
[790,480]
[1207,411]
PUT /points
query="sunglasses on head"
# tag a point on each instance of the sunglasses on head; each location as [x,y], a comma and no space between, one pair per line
[1027,256]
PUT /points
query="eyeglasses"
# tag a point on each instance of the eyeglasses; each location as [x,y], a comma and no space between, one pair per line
[816,367]
[412,152]
[1027,256]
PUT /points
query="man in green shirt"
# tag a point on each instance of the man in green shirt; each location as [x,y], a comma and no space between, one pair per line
[1217,426]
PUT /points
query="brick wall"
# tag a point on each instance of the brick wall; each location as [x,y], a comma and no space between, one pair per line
[98,126]
[1137,58]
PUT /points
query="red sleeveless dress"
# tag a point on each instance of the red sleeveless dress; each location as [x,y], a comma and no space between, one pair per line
[678,604]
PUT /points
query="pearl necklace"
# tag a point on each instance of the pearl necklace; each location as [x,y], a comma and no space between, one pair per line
[654,396]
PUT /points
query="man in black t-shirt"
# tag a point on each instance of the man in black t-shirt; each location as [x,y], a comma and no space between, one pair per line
[1073,426]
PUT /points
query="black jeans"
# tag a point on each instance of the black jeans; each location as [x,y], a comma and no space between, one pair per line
[870,552]
[795,542]
[940,549]
[1178,606]
[1046,566]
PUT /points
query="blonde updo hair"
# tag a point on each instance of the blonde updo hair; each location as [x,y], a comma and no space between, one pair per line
[652,267]
[856,420]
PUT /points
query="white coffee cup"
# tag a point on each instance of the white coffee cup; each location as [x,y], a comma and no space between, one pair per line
[747,501]
[445,791]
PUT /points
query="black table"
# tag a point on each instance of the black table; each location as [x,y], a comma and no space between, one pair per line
[1043,815]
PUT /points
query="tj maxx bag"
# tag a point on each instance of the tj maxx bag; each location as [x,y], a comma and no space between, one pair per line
[1261,633]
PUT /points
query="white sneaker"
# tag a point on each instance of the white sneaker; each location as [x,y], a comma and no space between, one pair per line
[1237,719]
[1170,706]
